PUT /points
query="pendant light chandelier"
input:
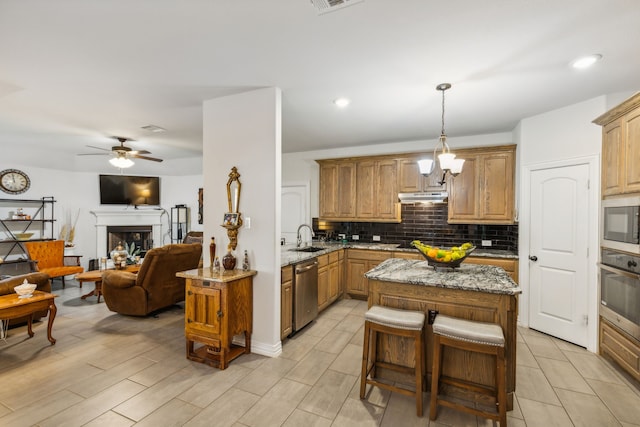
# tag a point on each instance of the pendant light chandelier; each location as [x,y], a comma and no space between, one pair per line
[448,161]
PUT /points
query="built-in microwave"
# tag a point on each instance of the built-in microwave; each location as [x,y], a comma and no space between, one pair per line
[621,224]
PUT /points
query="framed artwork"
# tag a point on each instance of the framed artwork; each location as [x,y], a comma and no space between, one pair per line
[200,203]
[230,218]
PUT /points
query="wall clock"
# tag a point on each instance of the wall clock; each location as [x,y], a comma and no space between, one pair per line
[14,181]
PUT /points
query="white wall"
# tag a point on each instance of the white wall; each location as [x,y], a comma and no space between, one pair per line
[78,192]
[244,130]
[563,135]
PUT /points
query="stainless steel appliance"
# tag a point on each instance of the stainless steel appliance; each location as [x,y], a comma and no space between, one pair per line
[621,224]
[620,290]
[305,293]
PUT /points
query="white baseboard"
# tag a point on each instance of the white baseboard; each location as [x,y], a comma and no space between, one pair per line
[263,349]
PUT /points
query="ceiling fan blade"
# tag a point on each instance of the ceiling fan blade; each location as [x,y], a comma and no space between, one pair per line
[136,152]
[153,159]
[94,154]
[98,148]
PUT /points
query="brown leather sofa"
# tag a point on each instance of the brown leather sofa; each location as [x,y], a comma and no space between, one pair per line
[155,286]
[40,279]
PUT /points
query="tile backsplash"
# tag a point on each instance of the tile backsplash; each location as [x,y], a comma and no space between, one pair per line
[428,223]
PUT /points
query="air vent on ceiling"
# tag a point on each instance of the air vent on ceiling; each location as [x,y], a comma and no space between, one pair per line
[325,6]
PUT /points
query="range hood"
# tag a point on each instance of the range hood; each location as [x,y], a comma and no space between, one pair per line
[425,196]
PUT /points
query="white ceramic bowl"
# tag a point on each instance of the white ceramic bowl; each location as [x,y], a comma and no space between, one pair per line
[25,290]
[23,236]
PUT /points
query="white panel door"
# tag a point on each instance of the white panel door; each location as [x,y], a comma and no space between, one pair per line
[558,252]
[295,211]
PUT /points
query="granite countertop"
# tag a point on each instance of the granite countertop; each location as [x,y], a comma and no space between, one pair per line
[221,276]
[469,277]
[289,256]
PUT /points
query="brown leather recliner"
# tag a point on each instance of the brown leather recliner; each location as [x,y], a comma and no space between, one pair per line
[40,279]
[156,285]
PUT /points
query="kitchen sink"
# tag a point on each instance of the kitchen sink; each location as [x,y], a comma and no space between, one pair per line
[308,249]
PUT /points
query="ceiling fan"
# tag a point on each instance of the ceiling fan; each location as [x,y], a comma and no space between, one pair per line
[122,153]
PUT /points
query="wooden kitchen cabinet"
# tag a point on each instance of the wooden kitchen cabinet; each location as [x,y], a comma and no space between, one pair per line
[508,264]
[337,190]
[618,346]
[621,148]
[328,279]
[484,192]
[218,306]
[360,261]
[377,190]
[286,301]
[410,180]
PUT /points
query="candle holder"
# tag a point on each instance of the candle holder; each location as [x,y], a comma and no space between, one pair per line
[232,220]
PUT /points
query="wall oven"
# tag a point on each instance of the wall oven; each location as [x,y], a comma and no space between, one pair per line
[620,290]
[621,224]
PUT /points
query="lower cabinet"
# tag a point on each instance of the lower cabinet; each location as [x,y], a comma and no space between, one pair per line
[359,261]
[620,347]
[286,301]
[328,279]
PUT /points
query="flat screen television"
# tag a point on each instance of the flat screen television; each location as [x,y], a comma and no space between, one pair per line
[129,190]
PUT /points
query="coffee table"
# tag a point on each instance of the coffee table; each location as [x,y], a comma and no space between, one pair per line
[96,277]
[12,306]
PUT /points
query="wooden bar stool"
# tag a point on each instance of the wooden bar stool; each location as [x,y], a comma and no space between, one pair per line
[471,336]
[398,322]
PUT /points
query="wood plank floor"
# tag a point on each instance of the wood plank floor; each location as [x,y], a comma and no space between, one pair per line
[112,370]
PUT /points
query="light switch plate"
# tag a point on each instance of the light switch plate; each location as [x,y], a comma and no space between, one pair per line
[355,237]
[376,238]
[486,243]
[247,222]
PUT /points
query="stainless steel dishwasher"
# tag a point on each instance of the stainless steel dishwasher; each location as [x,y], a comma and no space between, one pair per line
[305,293]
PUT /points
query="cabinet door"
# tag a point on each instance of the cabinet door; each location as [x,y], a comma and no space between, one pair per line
[323,287]
[432,182]
[386,190]
[286,302]
[496,189]
[409,178]
[463,192]
[328,190]
[346,190]
[334,281]
[366,189]
[355,281]
[632,153]
[203,311]
[612,149]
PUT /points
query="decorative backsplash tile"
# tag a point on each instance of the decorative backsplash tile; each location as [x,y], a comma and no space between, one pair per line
[428,223]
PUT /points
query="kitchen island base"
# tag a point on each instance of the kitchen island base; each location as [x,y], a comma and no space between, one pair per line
[474,368]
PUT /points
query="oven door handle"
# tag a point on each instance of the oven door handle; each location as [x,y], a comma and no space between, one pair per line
[620,272]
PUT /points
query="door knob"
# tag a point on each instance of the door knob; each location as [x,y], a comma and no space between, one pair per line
[533,258]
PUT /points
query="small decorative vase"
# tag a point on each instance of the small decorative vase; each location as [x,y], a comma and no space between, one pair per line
[119,255]
[245,261]
[212,250]
[229,260]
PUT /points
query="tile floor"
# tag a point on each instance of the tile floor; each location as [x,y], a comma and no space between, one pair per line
[112,370]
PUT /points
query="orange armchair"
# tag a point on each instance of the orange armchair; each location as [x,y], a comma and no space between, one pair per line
[50,259]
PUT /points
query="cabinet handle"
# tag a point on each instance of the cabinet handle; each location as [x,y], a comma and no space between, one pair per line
[189,293]
[189,320]
[219,314]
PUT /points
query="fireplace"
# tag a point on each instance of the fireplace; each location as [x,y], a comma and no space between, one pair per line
[140,235]
[142,226]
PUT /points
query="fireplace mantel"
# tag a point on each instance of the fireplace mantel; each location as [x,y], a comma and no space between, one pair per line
[106,217]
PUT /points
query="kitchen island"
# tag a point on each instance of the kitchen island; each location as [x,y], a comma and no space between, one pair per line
[475,292]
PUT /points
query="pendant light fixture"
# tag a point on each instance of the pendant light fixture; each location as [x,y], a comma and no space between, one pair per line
[448,161]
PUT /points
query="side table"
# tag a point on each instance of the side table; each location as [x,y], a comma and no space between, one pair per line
[12,306]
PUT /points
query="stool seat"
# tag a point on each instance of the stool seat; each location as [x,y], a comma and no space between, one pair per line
[395,318]
[393,322]
[470,331]
[473,336]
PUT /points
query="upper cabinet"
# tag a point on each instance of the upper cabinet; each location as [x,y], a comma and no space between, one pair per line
[411,181]
[621,148]
[484,192]
[364,189]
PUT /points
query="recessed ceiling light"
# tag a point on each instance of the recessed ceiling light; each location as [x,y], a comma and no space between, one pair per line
[586,61]
[342,102]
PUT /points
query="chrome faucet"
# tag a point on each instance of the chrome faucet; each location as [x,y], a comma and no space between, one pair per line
[299,241]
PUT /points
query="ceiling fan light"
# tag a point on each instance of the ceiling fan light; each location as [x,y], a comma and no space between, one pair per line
[121,162]
[426,166]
